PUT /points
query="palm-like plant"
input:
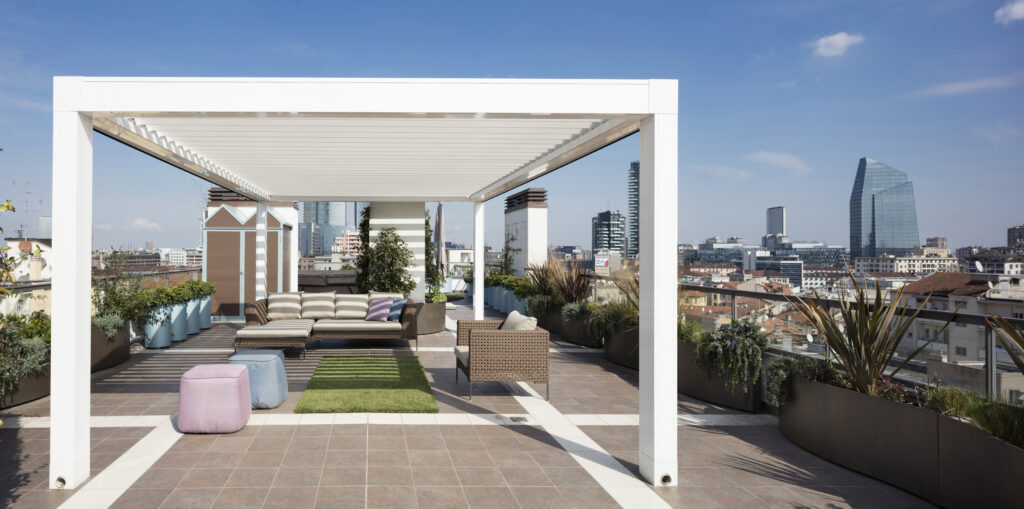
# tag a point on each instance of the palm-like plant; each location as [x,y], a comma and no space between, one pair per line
[572,283]
[628,283]
[874,328]
[1011,338]
[545,276]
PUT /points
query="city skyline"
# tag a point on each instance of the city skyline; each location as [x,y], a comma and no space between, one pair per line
[772,111]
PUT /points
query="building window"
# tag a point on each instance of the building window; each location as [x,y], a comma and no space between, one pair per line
[961,351]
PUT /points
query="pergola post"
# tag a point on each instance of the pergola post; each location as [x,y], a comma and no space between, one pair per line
[71,296]
[478,260]
[658,309]
[261,250]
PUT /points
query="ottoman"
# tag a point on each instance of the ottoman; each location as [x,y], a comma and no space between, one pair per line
[214,398]
[268,385]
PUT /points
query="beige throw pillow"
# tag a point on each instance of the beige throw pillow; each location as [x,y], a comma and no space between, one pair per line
[318,305]
[284,306]
[516,321]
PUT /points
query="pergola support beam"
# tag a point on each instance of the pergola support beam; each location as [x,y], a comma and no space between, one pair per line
[478,260]
[71,299]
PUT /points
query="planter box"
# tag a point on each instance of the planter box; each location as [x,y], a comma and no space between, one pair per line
[107,353]
[711,388]
[430,317]
[948,462]
[575,331]
[30,388]
[551,322]
[623,347]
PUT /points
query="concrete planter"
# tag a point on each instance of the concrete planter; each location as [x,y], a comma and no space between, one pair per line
[108,353]
[711,388]
[192,316]
[179,322]
[575,331]
[948,462]
[205,308]
[158,334]
[623,347]
[430,317]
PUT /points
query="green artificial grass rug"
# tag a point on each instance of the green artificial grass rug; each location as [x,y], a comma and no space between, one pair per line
[368,384]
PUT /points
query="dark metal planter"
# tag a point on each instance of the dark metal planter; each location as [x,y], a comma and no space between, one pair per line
[29,388]
[711,388]
[551,322]
[108,353]
[977,469]
[623,347]
[575,331]
[430,317]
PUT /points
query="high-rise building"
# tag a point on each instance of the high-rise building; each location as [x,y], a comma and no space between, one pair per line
[633,202]
[1015,237]
[939,242]
[883,215]
[609,231]
[776,221]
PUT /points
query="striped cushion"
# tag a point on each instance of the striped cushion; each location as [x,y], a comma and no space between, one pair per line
[318,305]
[284,306]
[379,310]
[386,295]
[350,306]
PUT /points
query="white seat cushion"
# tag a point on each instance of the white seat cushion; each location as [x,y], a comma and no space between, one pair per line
[355,326]
[284,306]
[318,305]
[516,321]
[351,306]
[462,354]
[278,329]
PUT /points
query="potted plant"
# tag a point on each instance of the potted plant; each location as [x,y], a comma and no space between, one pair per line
[727,361]
[862,417]
[24,358]
[115,301]
[207,290]
[574,324]
[430,317]
[617,322]
[192,290]
[157,324]
[546,303]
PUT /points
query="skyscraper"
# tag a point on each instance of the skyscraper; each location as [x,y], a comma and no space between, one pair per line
[883,215]
[776,221]
[609,231]
[633,202]
[1015,237]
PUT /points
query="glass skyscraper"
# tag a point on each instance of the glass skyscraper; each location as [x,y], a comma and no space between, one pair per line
[883,215]
[609,232]
[633,202]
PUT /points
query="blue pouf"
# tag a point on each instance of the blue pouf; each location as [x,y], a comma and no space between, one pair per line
[267,382]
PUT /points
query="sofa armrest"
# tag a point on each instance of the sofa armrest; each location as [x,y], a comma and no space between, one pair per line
[408,319]
[508,355]
[256,313]
[463,327]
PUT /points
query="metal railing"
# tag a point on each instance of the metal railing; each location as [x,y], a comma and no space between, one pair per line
[926,314]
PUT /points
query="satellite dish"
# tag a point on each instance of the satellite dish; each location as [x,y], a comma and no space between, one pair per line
[979,266]
[989,285]
[810,339]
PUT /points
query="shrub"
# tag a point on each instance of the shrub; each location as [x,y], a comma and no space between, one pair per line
[779,375]
[1002,420]
[384,265]
[689,331]
[111,324]
[436,296]
[735,352]
[605,320]
[545,276]
[21,354]
[951,401]
[576,310]
[540,304]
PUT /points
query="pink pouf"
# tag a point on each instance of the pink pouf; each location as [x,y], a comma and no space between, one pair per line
[214,398]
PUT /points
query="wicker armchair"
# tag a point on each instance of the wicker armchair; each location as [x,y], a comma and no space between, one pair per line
[486,354]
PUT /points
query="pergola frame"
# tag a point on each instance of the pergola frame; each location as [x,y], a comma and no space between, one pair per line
[125,109]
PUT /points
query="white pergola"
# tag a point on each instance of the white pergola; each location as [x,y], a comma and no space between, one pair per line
[298,139]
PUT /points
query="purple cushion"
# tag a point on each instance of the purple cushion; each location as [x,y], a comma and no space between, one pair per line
[379,310]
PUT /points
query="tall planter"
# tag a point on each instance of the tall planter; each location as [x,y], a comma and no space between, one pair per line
[890,441]
[623,347]
[108,353]
[179,322]
[205,312]
[713,388]
[430,317]
[158,334]
[192,316]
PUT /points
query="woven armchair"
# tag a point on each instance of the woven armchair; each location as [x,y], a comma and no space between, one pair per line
[501,355]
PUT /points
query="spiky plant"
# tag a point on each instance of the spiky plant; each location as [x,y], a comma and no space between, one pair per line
[572,283]
[545,276]
[1011,338]
[874,329]
[628,283]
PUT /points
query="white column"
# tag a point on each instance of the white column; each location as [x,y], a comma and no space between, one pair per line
[478,260]
[658,232]
[71,299]
[261,250]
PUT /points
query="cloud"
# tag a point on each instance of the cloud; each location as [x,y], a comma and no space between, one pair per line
[967,86]
[142,224]
[103,227]
[780,160]
[1012,10]
[722,171]
[999,134]
[835,44]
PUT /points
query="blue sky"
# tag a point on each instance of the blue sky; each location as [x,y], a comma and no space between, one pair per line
[778,100]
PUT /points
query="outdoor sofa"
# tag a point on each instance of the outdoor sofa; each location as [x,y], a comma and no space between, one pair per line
[290,320]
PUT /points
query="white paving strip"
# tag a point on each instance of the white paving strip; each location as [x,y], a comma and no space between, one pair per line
[448,349]
[619,482]
[107,486]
